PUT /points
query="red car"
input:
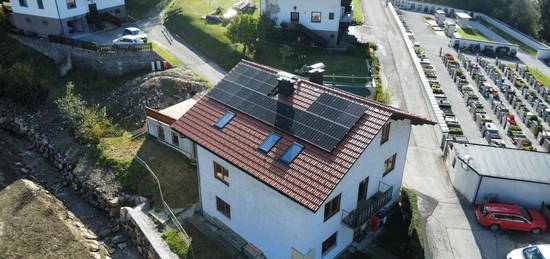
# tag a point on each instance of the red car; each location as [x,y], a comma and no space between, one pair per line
[508,216]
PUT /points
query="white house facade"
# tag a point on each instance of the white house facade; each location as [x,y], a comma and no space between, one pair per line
[324,17]
[280,227]
[61,17]
[296,169]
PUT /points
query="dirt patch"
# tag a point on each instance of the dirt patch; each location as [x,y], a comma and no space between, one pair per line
[156,90]
[34,224]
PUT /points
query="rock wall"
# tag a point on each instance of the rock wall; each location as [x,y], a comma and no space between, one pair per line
[110,63]
[141,230]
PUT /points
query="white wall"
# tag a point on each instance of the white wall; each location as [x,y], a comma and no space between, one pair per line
[464,179]
[185,145]
[274,223]
[51,8]
[525,194]
[305,7]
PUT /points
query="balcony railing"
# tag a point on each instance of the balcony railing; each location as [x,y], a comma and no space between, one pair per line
[366,209]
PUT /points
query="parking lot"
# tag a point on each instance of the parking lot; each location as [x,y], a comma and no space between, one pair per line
[491,244]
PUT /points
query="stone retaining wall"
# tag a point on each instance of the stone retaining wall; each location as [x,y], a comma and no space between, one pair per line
[110,63]
[143,234]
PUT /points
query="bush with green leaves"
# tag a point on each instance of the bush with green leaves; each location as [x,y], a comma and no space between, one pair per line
[176,243]
[250,31]
[411,214]
[88,124]
[20,84]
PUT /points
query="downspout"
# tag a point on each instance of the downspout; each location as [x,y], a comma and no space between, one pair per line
[59,16]
[477,190]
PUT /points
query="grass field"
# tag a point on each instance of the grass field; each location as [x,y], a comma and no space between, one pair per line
[138,9]
[210,40]
[358,16]
[175,173]
[166,54]
[509,38]
[473,34]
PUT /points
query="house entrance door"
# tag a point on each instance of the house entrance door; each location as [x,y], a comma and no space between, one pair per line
[295,17]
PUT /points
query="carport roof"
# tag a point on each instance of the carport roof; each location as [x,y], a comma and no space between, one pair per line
[506,163]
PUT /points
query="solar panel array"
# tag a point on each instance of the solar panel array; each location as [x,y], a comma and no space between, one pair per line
[323,124]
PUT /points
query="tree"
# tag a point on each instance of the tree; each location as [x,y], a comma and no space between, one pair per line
[243,29]
[544,8]
[285,51]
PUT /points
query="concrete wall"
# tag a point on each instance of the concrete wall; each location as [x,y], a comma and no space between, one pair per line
[305,8]
[464,179]
[527,194]
[185,145]
[441,128]
[276,224]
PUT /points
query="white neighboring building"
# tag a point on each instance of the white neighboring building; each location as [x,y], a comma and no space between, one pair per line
[306,194]
[326,18]
[61,17]
[158,125]
[514,176]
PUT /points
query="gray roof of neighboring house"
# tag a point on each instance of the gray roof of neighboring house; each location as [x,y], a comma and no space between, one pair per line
[506,162]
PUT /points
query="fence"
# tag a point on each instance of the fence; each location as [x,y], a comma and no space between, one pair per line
[82,44]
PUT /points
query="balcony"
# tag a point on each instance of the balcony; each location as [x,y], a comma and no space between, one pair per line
[367,208]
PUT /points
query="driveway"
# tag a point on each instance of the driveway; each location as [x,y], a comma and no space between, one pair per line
[156,31]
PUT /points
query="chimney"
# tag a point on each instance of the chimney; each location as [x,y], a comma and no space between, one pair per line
[316,73]
[285,86]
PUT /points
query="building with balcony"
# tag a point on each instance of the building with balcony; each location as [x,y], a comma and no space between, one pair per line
[327,19]
[63,17]
[295,168]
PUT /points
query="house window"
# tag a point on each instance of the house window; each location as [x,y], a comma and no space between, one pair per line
[23,3]
[28,20]
[270,142]
[332,207]
[71,4]
[363,189]
[160,132]
[44,22]
[389,164]
[223,207]
[175,139]
[291,153]
[40,4]
[385,133]
[221,173]
[316,17]
[117,11]
[224,120]
[294,17]
[331,16]
[329,243]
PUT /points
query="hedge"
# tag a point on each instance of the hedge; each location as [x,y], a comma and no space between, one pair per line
[411,215]
[176,243]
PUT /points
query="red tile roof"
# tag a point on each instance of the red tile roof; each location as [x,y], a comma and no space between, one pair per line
[314,173]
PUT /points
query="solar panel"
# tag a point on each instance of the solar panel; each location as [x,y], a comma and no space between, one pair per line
[323,124]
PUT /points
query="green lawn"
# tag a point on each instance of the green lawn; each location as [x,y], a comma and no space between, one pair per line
[473,34]
[166,54]
[210,40]
[177,176]
[138,9]
[358,16]
[509,38]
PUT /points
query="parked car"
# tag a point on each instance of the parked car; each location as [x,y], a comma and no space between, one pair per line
[535,252]
[509,216]
[127,41]
[133,31]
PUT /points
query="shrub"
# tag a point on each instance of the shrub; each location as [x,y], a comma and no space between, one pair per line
[409,207]
[176,243]
[88,124]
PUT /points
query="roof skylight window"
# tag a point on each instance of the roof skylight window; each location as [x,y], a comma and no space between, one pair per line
[269,142]
[224,120]
[291,153]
